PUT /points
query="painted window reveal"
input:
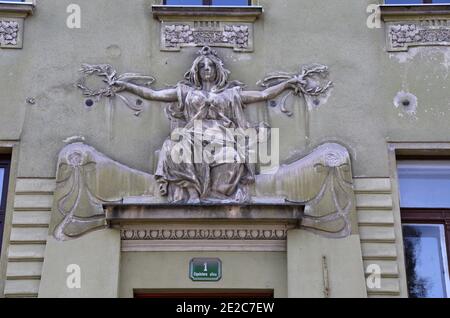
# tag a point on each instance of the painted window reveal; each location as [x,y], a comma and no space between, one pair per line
[415,1]
[425,209]
[4,178]
[208,2]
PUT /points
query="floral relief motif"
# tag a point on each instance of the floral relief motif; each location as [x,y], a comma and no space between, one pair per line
[402,36]
[9,31]
[177,35]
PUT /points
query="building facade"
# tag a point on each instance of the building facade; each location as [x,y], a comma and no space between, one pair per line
[344,105]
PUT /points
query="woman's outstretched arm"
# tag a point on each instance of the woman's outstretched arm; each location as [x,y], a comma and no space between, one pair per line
[249,97]
[164,95]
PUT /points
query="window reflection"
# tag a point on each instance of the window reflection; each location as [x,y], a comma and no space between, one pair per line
[426,260]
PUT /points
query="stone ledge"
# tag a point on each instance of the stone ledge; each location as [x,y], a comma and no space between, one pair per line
[414,12]
[162,12]
[122,213]
[22,9]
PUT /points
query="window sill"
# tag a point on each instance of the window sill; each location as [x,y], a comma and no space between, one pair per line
[414,12]
[17,8]
[251,12]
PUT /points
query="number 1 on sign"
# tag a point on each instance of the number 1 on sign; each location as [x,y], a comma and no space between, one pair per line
[205,269]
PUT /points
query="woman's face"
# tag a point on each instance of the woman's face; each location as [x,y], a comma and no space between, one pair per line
[207,70]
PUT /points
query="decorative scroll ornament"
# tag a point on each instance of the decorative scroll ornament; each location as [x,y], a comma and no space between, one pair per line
[9,33]
[83,183]
[73,170]
[342,197]
[322,182]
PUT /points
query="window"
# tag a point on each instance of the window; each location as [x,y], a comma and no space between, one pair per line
[415,1]
[208,2]
[425,209]
[4,178]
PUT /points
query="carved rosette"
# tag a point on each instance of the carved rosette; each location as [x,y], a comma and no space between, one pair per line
[403,35]
[238,36]
[9,33]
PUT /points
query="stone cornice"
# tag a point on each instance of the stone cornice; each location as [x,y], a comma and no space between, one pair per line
[163,12]
[124,213]
[17,9]
[414,12]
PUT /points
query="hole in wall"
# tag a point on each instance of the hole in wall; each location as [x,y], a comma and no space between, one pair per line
[89,102]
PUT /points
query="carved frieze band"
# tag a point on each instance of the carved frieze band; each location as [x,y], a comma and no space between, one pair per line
[403,35]
[203,234]
[9,32]
[238,36]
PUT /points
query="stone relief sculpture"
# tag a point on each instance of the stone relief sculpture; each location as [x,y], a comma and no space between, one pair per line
[236,36]
[206,103]
[9,33]
[403,35]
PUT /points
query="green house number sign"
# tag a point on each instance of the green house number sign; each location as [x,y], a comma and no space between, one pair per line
[205,269]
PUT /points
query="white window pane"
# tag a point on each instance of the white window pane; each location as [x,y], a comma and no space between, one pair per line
[2,176]
[424,184]
[426,260]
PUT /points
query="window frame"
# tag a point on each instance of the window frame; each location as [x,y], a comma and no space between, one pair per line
[208,3]
[424,215]
[429,216]
[5,162]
